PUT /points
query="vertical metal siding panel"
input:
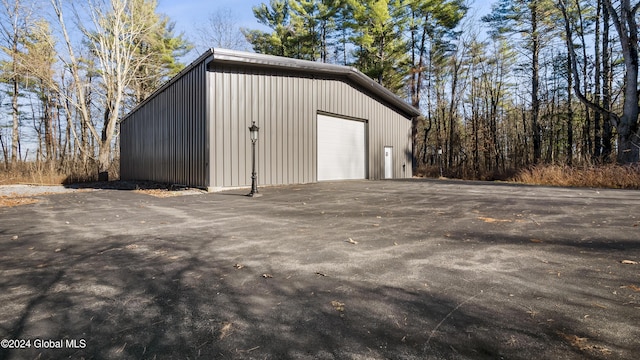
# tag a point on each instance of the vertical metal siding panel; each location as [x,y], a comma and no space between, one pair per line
[192,130]
[202,121]
[276,120]
[306,118]
[167,149]
[289,115]
[284,121]
[258,114]
[310,131]
[175,110]
[181,119]
[233,135]
[194,110]
[271,140]
[264,167]
[246,120]
[280,148]
[300,119]
[313,128]
[211,134]
[315,96]
[189,111]
[270,137]
[292,116]
[226,120]
[246,109]
[285,96]
[262,119]
[297,106]
[275,137]
[187,119]
[219,126]
[193,120]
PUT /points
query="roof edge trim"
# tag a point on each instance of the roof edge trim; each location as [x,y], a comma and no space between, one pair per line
[247,58]
[241,57]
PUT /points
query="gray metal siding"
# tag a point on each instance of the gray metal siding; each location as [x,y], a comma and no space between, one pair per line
[285,107]
[165,140]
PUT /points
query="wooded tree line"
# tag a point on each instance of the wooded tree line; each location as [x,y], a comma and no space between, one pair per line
[69,71]
[534,81]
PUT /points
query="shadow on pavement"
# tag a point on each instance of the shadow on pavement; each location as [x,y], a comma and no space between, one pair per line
[158,299]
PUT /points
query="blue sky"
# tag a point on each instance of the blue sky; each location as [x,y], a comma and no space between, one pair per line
[188,14]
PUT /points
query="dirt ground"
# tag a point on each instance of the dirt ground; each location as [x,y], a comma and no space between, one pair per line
[337,270]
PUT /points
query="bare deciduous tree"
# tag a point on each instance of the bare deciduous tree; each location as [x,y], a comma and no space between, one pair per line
[113,41]
[221,30]
[14,23]
[623,16]
[112,36]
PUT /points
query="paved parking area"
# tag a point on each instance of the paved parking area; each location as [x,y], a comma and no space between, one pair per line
[345,270]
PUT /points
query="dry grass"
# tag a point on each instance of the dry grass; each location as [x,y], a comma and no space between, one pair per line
[604,176]
[11,201]
[39,173]
[31,173]
[463,173]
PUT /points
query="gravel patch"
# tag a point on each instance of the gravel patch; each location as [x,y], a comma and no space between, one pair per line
[33,190]
[147,188]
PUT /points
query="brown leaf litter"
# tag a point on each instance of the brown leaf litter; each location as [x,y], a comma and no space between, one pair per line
[225,330]
[337,305]
[11,201]
[582,344]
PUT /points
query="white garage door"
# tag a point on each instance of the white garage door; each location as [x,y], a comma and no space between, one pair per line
[341,149]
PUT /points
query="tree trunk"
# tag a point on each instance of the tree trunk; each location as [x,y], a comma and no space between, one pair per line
[569,148]
[4,153]
[15,131]
[627,28]
[607,124]
[535,85]
[597,136]
[104,161]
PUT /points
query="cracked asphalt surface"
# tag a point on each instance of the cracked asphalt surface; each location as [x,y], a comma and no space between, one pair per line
[417,269]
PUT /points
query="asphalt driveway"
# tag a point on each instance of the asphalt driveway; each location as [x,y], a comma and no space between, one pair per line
[346,270]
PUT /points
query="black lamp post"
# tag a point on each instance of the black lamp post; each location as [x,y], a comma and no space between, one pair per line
[253,133]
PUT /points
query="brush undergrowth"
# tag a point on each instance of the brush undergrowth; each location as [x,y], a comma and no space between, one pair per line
[595,176]
[603,176]
[39,173]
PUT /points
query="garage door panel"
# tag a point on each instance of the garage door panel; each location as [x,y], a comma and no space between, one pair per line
[341,149]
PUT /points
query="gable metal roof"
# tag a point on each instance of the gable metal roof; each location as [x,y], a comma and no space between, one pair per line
[241,58]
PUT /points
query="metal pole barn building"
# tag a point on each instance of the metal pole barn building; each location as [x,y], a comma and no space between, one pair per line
[317,122]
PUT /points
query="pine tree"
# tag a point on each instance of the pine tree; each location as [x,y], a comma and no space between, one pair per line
[281,41]
[381,50]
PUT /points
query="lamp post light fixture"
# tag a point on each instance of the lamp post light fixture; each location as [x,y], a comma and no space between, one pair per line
[253,133]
